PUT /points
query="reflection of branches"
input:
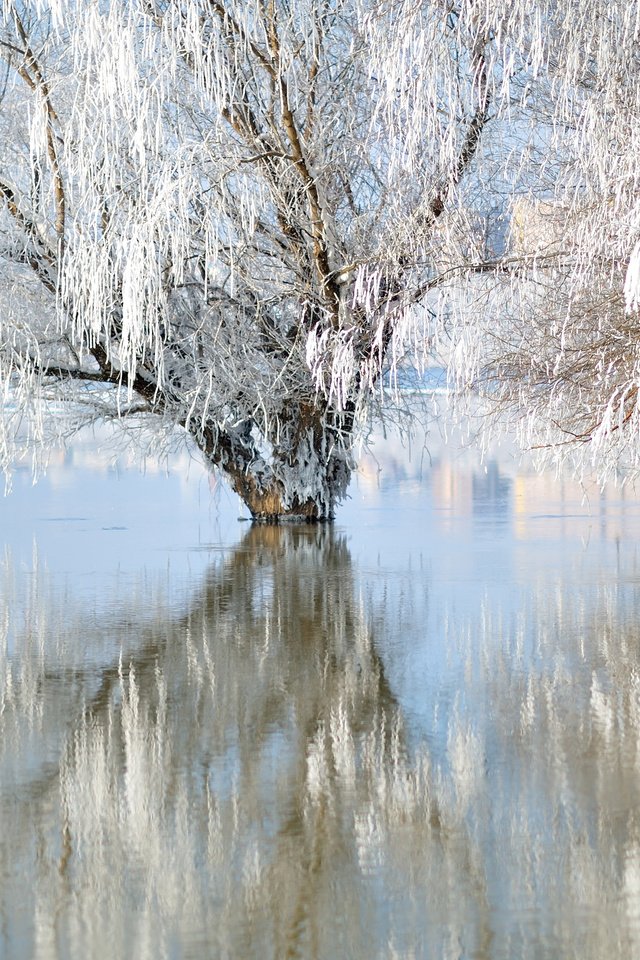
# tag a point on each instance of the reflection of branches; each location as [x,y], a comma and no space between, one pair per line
[263,718]
[245,771]
[307,574]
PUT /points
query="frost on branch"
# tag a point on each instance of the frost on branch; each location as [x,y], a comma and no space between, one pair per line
[632,280]
[238,221]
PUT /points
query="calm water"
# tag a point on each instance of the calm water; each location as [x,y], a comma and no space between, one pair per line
[413,735]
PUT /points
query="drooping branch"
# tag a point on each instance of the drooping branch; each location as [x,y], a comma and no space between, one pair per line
[230,22]
[262,135]
[471,140]
[318,232]
[37,253]
[33,75]
[393,293]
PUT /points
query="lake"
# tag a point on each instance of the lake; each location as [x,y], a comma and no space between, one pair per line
[412,734]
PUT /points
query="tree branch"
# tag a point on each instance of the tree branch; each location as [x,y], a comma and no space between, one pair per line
[330,287]
[31,64]
[71,373]
[241,33]
[471,140]
[42,258]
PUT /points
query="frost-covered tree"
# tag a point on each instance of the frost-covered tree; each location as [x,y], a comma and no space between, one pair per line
[557,342]
[236,218]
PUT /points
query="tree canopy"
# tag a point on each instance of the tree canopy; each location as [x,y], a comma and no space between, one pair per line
[240,219]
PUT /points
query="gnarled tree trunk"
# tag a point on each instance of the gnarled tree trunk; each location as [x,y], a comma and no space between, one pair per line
[306,473]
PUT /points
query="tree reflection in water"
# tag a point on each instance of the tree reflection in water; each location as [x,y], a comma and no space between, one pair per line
[239,783]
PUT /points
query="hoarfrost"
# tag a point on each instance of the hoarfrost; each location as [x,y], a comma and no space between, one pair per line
[244,221]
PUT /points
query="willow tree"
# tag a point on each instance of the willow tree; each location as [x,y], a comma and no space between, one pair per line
[233,219]
[555,341]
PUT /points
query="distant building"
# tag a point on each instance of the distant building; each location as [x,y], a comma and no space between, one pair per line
[537,227]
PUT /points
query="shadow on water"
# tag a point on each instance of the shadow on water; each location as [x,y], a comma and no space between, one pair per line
[237,780]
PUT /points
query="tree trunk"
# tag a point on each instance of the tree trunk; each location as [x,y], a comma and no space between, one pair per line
[306,474]
[268,505]
[269,501]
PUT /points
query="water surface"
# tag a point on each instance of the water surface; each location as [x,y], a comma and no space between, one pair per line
[413,734]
